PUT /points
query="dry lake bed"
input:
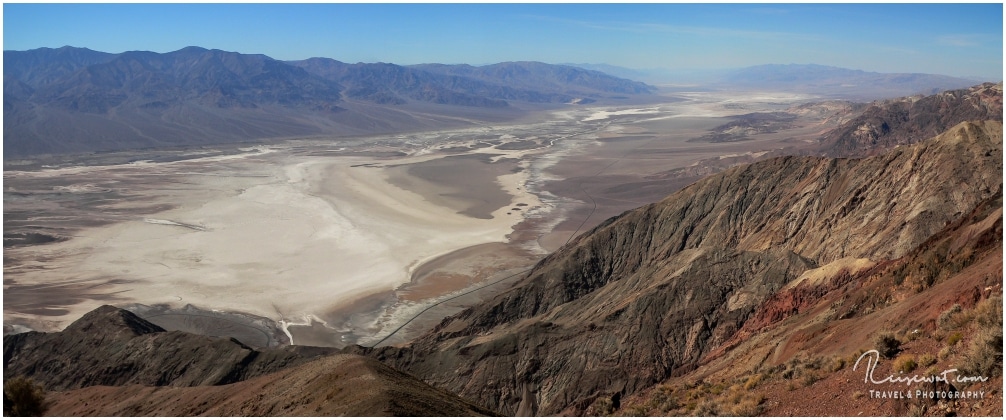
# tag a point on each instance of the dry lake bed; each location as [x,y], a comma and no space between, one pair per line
[338,241]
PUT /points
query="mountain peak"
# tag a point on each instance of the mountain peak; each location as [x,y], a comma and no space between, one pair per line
[192,49]
[109,320]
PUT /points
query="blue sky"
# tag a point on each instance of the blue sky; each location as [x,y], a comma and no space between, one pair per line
[958,40]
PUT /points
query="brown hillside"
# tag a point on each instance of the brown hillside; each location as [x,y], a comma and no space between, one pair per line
[645,296]
[889,123]
[337,385]
[111,346]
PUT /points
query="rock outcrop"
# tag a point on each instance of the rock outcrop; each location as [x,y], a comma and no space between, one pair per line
[889,123]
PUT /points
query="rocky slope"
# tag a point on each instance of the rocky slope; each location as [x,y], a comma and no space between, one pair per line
[113,363]
[889,123]
[648,294]
[942,302]
[111,346]
[338,385]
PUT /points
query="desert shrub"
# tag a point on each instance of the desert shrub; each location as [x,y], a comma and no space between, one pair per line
[707,408]
[984,356]
[810,378]
[600,407]
[945,353]
[664,402]
[927,360]
[905,363]
[748,407]
[988,313]
[954,338]
[753,381]
[887,345]
[634,411]
[912,335]
[22,398]
[735,395]
[837,364]
[945,319]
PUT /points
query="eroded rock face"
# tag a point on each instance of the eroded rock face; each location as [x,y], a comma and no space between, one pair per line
[645,295]
[889,123]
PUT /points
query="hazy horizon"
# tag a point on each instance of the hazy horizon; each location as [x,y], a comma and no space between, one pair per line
[956,40]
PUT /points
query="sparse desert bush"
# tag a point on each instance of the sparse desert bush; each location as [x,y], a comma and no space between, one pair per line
[634,411]
[954,338]
[717,389]
[984,356]
[912,335]
[988,313]
[810,378]
[736,394]
[813,364]
[664,402]
[945,353]
[858,394]
[927,360]
[746,408]
[600,407]
[887,345]
[945,318]
[707,408]
[733,399]
[23,398]
[837,364]
[753,381]
[905,363]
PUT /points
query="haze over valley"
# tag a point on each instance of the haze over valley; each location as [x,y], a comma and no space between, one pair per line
[245,232]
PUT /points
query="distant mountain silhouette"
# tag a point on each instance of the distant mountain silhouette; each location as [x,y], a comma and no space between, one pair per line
[77,100]
[837,81]
[45,65]
[533,75]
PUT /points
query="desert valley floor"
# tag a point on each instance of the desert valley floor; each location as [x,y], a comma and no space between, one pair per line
[339,241]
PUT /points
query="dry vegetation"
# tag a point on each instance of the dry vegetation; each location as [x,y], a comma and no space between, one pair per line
[976,350]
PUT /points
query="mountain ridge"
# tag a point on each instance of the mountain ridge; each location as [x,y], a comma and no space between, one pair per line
[755,228]
[112,347]
[111,362]
[74,100]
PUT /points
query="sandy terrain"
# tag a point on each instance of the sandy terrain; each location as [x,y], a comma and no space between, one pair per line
[342,241]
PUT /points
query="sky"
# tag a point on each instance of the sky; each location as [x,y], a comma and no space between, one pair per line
[951,39]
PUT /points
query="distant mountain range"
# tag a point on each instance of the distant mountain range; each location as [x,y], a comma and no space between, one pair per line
[836,81]
[68,100]
[77,100]
[815,79]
